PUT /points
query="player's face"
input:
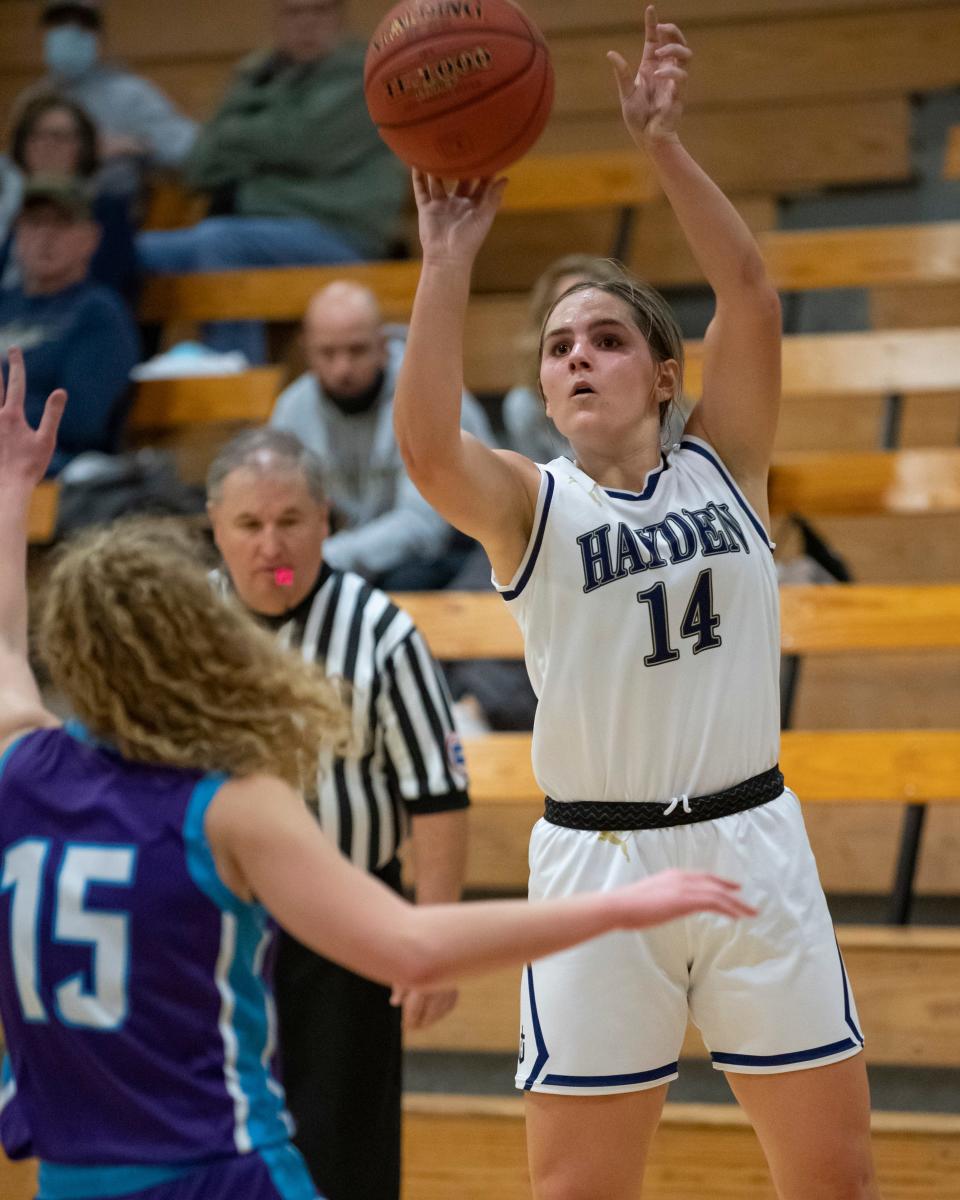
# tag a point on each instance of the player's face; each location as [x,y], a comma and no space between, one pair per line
[346,352]
[270,532]
[599,378]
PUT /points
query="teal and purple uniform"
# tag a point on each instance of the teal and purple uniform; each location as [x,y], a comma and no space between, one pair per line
[139,1022]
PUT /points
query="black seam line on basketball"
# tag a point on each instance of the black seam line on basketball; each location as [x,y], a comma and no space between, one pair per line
[421,117]
[535,38]
[471,168]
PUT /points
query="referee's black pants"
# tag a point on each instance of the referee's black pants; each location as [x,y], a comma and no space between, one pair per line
[341,1058]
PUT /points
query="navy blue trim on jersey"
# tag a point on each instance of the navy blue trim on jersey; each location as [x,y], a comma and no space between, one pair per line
[589,1081]
[651,486]
[847,1012]
[782,1060]
[537,543]
[686,444]
[542,1054]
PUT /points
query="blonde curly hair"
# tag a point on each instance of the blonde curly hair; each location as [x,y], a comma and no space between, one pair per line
[152,661]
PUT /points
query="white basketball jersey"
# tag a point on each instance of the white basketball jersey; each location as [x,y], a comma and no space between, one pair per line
[651,631]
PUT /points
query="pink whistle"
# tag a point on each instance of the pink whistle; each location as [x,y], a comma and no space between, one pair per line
[283,577]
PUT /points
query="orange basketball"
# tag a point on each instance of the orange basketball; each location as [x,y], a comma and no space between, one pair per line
[458,88]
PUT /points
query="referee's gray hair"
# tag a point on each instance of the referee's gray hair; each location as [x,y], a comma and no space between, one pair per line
[266,450]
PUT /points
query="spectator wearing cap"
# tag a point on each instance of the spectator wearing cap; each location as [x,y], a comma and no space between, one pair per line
[139,127]
[56,136]
[294,168]
[74,333]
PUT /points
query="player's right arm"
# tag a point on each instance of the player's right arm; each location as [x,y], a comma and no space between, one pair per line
[489,494]
[24,456]
[267,845]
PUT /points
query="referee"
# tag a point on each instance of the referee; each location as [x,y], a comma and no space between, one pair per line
[340,1035]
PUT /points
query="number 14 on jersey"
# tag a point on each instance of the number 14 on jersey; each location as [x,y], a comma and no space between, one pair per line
[699,620]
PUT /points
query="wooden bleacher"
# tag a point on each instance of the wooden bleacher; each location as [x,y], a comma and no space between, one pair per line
[904,482]
[889,256]
[42,517]
[831,366]
[175,407]
[472,1148]
[165,404]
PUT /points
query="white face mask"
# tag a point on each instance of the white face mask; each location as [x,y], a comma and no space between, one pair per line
[70,50]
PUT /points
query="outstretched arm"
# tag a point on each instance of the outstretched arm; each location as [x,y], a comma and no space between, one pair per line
[488,494]
[267,844]
[24,456]
[741,378]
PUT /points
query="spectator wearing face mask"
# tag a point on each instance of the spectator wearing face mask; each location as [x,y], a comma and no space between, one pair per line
[139,127]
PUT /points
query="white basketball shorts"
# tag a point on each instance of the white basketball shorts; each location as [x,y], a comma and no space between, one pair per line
[768,993]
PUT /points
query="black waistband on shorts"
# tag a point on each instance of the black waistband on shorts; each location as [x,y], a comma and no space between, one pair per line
[681,810]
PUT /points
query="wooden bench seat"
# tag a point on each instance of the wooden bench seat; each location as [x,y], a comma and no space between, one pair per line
[905,482]
[869,766]
[172,406]
[880,256]
[168,404]
[904,980]
[815,366]
[271,293]
[42,517]
[815,620]
[473,1148]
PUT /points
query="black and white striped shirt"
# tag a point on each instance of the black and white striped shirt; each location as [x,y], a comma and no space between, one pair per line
[412,760]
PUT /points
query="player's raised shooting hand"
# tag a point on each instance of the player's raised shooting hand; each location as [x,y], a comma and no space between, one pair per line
[651,98]
[453,222]
[25,453]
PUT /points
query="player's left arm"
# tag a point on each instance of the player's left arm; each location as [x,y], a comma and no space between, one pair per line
[738,410]
[24,456]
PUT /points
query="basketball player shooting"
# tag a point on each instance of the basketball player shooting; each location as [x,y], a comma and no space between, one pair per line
[642,578]
[143,853]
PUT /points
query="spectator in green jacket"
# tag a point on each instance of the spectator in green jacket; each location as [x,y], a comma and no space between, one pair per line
[294,168]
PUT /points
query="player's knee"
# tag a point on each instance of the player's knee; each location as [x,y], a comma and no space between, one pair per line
[566,1182]
[849,1176]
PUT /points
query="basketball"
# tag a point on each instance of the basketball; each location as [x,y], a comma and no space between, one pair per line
[458,88]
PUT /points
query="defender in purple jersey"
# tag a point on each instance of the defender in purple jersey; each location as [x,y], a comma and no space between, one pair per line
[135,885]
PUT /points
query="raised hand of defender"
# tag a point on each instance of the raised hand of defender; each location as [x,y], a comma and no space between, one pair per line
[453,224]
[651,98]
[24,452]
[675,893]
